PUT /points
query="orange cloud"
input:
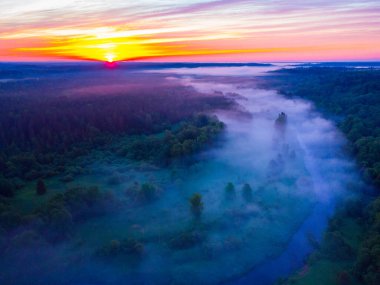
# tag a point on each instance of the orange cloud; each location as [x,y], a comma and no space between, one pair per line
[242,30]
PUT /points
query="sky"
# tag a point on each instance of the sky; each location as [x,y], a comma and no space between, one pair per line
[190,30]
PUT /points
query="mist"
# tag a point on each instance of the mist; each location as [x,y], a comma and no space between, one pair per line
[289,154]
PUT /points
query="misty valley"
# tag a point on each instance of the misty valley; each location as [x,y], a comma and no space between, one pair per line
[209,174]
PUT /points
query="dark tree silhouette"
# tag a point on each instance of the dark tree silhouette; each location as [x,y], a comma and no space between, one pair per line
[40,187]
[196,205]
[230,191]
[280,122]
[247,192]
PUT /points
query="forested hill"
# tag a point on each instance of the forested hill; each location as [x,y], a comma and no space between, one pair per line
[42,132]
[349,252]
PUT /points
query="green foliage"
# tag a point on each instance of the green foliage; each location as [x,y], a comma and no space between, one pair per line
[229,190]
[367,267]
[188,138]
[196,204]
[335,246]
[76,204]
[40,188]
[73,127]
[55,219]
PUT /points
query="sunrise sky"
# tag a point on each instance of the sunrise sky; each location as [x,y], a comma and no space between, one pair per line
[190,30]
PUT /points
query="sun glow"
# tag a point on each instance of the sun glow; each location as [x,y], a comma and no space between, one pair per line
[110,57]
[189,31]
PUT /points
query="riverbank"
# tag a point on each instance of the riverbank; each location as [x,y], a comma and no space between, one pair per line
[351,98]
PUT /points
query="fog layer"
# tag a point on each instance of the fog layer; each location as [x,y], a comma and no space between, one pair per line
[287,153]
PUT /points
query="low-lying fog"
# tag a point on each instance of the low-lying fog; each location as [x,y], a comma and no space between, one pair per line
[294,167]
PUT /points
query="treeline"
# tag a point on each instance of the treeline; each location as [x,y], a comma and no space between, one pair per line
[39,135]
[352,98]
[189,137]
[54,220]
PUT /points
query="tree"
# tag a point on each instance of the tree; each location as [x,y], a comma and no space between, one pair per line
[40,188]
[280,122]
[147,192]
[230,190]
[247,192]
[196,205]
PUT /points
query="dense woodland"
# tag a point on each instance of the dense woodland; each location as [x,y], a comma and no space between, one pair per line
[39,137]
[351,97]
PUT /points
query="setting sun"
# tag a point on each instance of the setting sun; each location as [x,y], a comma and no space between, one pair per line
[110,57]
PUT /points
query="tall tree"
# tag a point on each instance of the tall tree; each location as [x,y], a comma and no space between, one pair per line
[40,187]
[196,205]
